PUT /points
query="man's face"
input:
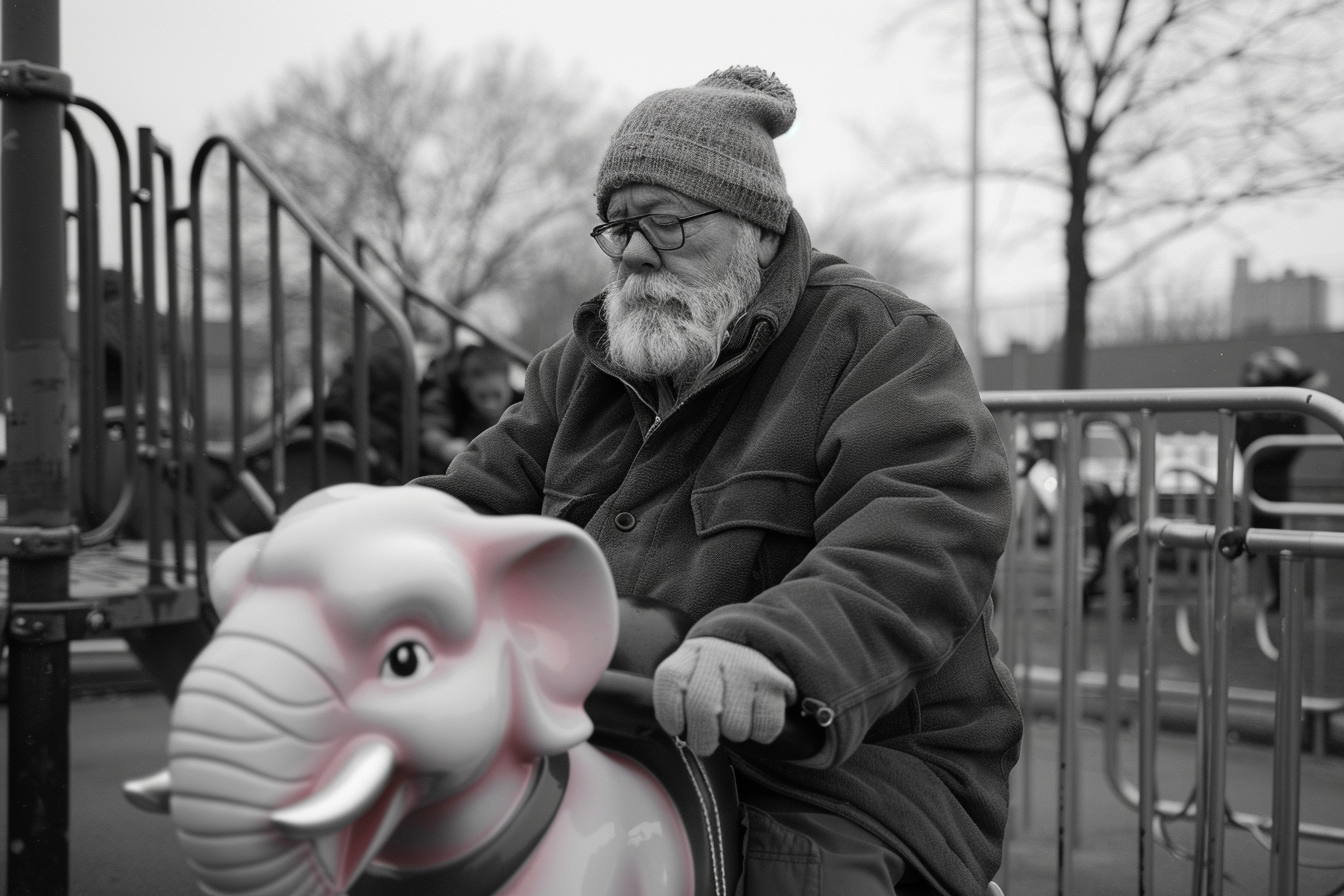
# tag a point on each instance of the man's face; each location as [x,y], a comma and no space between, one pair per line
[709,240]
[667,311]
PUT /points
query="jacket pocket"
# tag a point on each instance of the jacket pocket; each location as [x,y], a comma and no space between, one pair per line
[777,860]
[576,509]
[777,502]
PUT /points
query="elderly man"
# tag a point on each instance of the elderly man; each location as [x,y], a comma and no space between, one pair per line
[795,455]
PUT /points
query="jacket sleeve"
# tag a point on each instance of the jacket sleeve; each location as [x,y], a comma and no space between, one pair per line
[912,512]
[503,471]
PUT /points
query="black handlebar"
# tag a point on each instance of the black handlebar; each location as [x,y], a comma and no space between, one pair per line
[622,703]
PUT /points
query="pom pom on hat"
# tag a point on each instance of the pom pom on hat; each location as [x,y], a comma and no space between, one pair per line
[713,142]
[749,77]
[752,77]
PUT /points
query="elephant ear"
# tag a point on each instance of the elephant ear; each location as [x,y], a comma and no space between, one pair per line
[228,574]
[557,597]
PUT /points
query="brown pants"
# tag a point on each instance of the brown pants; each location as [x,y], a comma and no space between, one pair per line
[793,848]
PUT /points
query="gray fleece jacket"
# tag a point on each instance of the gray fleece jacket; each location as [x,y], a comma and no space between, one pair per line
[835,495]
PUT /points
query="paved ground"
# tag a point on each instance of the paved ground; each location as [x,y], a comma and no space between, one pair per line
[116,850]
[1106,860]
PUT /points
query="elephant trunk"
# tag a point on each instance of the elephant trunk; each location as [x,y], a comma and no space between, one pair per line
[254,729]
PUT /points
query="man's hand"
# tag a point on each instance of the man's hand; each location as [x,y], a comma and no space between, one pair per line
[712,687]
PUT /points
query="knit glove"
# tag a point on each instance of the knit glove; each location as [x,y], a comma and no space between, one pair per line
[712,687]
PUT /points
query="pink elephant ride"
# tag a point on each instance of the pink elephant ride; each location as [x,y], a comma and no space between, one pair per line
[401,698]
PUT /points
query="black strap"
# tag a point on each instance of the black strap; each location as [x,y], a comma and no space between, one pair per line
[487,868]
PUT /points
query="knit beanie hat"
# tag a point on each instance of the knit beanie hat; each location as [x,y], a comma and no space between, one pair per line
[713,142]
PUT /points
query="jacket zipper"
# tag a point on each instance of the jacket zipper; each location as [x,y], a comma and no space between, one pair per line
[824,715]
[726,372]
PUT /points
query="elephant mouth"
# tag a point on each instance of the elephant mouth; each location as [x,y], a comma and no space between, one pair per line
[244,755]
[350,819]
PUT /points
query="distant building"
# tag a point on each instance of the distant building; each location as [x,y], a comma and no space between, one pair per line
[1289,304]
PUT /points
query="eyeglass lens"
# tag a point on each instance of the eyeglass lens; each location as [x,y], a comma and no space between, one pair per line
[662,232]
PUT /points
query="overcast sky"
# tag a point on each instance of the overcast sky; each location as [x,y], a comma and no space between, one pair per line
[175,64]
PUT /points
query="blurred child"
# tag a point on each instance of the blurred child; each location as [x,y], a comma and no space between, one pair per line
[475,391]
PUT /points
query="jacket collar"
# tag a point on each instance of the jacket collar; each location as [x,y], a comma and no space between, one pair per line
[782,282]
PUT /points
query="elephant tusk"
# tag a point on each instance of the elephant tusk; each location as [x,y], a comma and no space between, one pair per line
[355,788]
[150,794]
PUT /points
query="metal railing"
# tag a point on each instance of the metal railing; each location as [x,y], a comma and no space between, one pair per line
[322,253]
[159,421]
[141,380]
[1297,515]
[1221,542]
[414,297]
[160,416]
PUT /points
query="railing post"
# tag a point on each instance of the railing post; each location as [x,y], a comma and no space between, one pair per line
[236,461]
[1147,598]
[38,463]
[149,288]
[360,361]
[317,368]
[91,371]
[1209,843]
[1287,732]
[1069,529]
[1010,602]
[1006,613]
[177,399]
[278,359]
[1027,605]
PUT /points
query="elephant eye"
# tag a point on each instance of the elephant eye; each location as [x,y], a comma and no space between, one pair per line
[406,661]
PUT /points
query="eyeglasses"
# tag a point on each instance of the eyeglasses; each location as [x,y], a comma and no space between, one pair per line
[661,230]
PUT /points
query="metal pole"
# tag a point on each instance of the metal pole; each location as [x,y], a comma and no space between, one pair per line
[1288,732]
[149,287]
[1008,611]
[1026,603]
[92,388]
[278,359]
[176,361]
[361,372]
[972,346]
[1069,519]
[1209,845]
[1148,720]
[318,371]
[235,319]
[32,291]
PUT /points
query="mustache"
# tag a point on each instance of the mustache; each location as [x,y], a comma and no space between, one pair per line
[657,292]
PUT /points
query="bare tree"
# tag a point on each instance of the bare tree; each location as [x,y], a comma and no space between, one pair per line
[1157,305]
[878,239]
[1166,114]
[458,171]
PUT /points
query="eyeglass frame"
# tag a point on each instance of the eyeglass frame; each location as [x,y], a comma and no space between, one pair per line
[600,230]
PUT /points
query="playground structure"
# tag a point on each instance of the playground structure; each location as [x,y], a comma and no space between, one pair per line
[144,464]
[254,250]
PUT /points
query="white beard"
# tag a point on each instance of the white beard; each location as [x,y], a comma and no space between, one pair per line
[662,325]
